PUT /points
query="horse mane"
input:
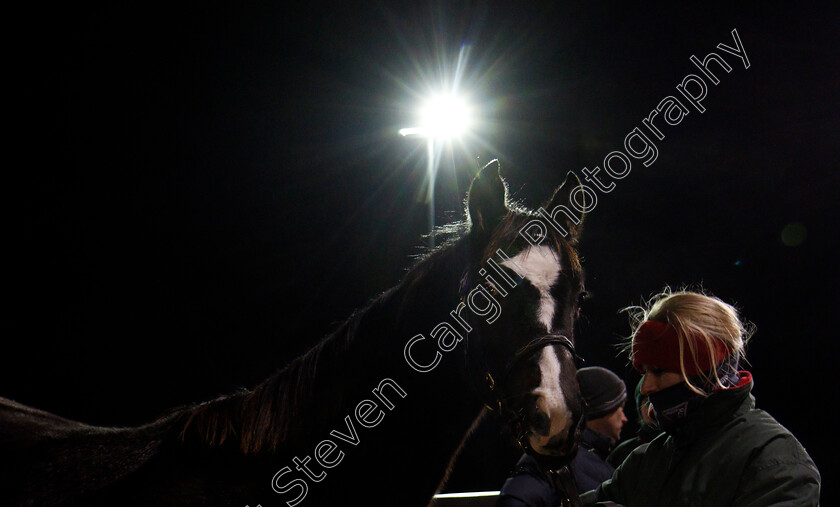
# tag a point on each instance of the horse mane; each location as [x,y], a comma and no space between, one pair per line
[72,457]
[270,415]
[266,418]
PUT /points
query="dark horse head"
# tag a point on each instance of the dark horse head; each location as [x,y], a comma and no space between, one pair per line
[524,362]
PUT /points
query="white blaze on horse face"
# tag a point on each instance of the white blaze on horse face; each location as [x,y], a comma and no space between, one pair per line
[551,401]
[541,267]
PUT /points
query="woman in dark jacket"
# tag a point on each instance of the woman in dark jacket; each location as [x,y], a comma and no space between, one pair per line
[717,449]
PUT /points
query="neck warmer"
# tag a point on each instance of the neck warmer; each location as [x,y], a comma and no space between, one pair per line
[674,404]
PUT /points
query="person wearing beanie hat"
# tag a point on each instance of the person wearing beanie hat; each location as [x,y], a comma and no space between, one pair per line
[716,448]
[604,394]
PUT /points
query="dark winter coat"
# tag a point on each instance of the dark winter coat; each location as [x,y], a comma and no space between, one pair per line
[726,453]
[645,434]
[590,467]
[528,486]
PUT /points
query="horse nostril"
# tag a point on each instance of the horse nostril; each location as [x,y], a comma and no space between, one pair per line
[540,423]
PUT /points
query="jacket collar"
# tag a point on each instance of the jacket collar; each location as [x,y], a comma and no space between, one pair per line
[600,443]
[717,410]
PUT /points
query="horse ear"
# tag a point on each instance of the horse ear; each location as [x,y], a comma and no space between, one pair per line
[486,199]
[563,207]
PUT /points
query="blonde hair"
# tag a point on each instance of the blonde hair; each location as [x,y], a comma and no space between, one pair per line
[694,313]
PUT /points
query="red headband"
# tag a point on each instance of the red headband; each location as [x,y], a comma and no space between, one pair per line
[657,344]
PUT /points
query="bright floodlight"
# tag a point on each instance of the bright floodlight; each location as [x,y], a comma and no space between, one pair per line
[442,117]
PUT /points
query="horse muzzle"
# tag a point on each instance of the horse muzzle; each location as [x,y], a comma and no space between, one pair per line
[555,443]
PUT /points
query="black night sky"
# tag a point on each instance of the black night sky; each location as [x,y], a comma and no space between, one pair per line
[196,195]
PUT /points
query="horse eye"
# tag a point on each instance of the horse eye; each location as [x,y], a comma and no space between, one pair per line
[491,288]
[583,296]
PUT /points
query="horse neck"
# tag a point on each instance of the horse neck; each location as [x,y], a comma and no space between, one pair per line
[440,407]
[370,346]
[316,392]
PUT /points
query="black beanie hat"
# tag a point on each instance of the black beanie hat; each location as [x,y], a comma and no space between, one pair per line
[602,390]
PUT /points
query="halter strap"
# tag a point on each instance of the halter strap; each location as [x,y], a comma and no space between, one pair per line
[564,482]
[487,386]
[536,345]
[493,400]
[488,389]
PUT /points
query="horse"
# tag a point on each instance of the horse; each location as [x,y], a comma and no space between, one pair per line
[377,411]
